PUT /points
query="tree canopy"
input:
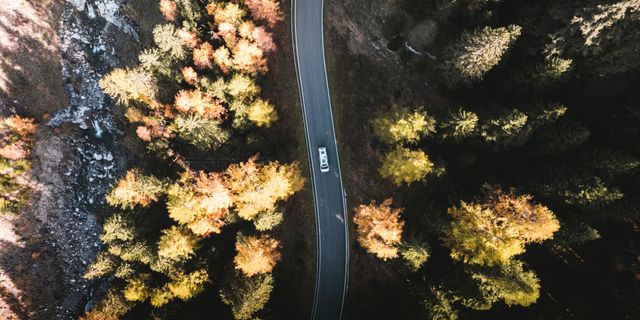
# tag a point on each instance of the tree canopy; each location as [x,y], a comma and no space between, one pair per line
[476,53]
[379,228]
[405,166]
[498,227]
[136,189]
[401,125]
[197,89]
[257,187]
[256,255]
[246,295]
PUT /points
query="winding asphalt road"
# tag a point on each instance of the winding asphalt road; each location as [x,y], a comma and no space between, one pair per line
[328,193]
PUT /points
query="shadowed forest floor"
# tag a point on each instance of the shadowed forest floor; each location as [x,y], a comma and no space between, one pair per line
[30,83]
[368,74]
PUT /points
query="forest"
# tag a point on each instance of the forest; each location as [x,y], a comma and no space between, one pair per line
[193,164]
[196,92]
[489,149]
[509,185]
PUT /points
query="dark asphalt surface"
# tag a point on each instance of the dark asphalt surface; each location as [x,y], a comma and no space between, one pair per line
[333,254]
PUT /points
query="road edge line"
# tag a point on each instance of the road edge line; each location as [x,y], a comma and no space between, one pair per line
[310,160]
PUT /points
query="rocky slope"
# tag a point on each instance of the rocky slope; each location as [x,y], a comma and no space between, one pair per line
[87,33]
[45,251]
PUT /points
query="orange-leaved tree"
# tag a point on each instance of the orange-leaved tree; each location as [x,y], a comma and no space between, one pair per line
[200,201]
[183,88]
[266,10]
[379,228]
[256,254]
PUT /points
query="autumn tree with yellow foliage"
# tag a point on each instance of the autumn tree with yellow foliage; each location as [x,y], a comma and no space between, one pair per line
[486,236]
[256,254]
[216,79]
[135,189]
[198,205]
[199,201]
[498,227]
[401,125]
[257,188]
[405,166]
[181,286]
[196,90]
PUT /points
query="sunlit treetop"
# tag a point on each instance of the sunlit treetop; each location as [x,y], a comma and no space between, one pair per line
[256,255]
[402,125]
[136,189]
[379,228]
[497,227]
[259,187]
[199,201]
[476,53]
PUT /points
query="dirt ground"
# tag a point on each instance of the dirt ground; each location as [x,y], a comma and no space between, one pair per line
[30,61]
[30,83]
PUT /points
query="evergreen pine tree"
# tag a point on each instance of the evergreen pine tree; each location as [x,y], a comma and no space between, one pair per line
[135,189]
[415,255]
[459,125]
[508,130]
[477,52]
[125,85]
[509,283]
[559,138]
[246,295]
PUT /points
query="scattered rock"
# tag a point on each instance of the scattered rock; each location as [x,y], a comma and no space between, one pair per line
[77,164]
